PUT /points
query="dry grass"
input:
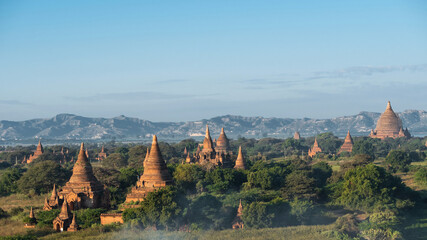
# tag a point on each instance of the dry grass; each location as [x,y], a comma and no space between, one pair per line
[10,227]
[21,200]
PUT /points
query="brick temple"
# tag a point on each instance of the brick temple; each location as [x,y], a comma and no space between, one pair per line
[348,144]
[389,125]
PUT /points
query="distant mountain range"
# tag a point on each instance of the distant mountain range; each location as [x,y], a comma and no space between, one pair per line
[73,128]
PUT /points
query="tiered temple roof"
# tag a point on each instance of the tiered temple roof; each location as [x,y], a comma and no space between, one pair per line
[389,125]
[348,144]
[53,202]
[83,190]
[315,149]
[155,176]
[240,161]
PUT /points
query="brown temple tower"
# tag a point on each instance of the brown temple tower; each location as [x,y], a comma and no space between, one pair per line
[240,162]
[315,149]
[64,219]
[83,190]
[33,220]
[144,164]
[156,175]
[53,202]
[102,155]
[297,136]
[238,222]
[218,155]
[73,226]
[39,151]
[389,125]
[348,144]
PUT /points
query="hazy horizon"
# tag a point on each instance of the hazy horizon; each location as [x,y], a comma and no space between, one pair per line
[182,61]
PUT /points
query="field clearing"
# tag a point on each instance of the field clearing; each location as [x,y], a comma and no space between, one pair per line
[316,232]
[10,227]
[21,200]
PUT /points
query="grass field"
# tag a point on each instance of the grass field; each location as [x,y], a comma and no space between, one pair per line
[297,233]
[21,200]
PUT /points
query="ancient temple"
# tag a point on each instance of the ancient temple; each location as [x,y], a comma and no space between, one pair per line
[297,135]
[216,155]
[315,149]
[64,219]
[188,159]
[348,144]
[83,190]
[53,202]
[39,151]
[389,125]
[102,155]
[156,175]
[240,161]
[33,221]
[74,227]
[238,222]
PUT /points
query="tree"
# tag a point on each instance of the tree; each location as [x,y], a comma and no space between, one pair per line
[398,161]
[187,175]
[9,180]
[41,176]
[255,215]
[369,187]
[301,209]
[300,184]
[205,212]
[115,160]
[321,171]
[363,146]
[137,156]
[159,209]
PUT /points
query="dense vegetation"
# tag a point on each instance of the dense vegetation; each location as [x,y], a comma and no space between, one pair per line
[361,192]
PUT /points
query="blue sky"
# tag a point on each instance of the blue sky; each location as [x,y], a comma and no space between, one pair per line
[189,60]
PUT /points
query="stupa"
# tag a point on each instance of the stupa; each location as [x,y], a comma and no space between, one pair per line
[348,144]
[240,161]
[83,190]
[33,221]
[389,125]
[315,149]
[39,151]
[156,175]
[238,222]
[74,227]
[297,135]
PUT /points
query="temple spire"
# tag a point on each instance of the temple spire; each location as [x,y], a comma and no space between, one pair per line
[65,211]
[389,106]
[32,213]
[240,209]
[240,161]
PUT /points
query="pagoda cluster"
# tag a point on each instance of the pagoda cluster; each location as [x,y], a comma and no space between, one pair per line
[215,152]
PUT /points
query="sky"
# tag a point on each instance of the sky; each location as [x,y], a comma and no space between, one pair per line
[192,60]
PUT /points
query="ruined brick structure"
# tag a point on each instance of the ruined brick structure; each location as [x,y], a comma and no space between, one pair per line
[102,155]
[297,135]
[389,125]
[64,219]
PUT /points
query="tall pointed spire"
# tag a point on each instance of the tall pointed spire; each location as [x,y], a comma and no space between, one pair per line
[82,170]
[156,170]
[207,142]
[147,155]
[315,149]
[32,213]
[188,159]
[240,161]
[388,106]
[65,211]
[348,144]
[73,226]
[240,209]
